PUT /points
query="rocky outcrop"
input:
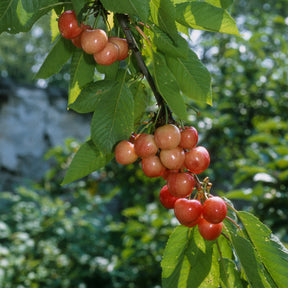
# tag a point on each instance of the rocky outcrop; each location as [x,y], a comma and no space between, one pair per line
[32,120]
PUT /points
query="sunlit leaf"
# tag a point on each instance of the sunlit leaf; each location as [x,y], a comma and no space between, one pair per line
[192,76]
[87,159]
[82,71]
[273,254]
[204,16]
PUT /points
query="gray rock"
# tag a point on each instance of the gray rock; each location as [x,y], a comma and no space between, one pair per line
[33,120]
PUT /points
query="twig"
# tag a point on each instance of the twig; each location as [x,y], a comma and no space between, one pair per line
[123,21]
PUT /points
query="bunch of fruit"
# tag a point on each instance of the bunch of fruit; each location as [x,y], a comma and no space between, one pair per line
[106,50]
[172,154]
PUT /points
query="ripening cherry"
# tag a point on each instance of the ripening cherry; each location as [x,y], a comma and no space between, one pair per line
[197,160]
[172,158]
[188,211]
[181,184]
[167,136]
[77,40]
[167,172]
[68,25]
[166,198]
[122,45]
[125,153]
[152,166]
[189,138]
[145,145]
[214,210]
[93,40]
[208,230]
[108,55]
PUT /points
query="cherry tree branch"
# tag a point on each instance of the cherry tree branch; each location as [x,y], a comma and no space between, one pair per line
[123,21]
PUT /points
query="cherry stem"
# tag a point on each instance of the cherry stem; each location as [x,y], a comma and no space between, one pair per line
[231,207]
[164,109]
[231,220]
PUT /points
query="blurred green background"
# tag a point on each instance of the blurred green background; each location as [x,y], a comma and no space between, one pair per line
[109,230]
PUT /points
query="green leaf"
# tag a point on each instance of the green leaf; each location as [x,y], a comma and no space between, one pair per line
[230,275]
[110,71]
[113,119]
[54,26]
[192,76]
[168,86]
[250,262]
[82,72]
[163,42]
[59,54]
[204,16]
[188,261]
[138,8]
[19,15]
[272,252]
[220,3]
[88,99]
[164,16]
[141,100]
[87,159]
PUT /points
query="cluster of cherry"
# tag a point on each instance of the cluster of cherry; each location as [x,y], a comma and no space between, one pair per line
[172,154]
[106,50]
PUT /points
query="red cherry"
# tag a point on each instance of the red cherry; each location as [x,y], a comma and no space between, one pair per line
[108,55]
[93,40]
[145,145]
[68,25]
[181,184]
[166,198]
[77,41]
[214,210]
[124,153]
[189,138]
[172,158]
[208,230]
[122,45]
[167,173]
[187,211]
[197,160]
[167,136]
[152,166]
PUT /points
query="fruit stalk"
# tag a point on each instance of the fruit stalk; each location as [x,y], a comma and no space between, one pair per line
[123,21]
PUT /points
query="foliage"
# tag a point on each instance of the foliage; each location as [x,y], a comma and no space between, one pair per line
[249,113]
[243,256]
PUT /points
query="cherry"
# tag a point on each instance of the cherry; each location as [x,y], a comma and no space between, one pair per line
[167,136]
[167,172]
[93,40]
[152,166]
[208,230]
[125,153]
[108,55]
[187,211]
[181,184]
[145,145]
[166,198]
[77,40]
[68,25]
[172,158]
[189,138]
[197,160]
[122,45]
[214,210]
